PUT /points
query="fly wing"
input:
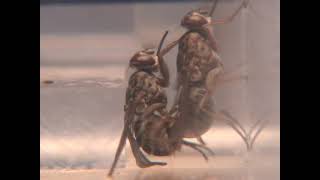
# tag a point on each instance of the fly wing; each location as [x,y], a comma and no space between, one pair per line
[121,145]
[127,121]
[231,75]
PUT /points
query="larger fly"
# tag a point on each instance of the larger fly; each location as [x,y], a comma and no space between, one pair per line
[199,68]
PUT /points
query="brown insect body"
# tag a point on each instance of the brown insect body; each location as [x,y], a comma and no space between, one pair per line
[196,58]
[199,68]
[151,122]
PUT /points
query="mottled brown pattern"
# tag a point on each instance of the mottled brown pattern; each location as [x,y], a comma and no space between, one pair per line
[151,133]
[146,83]
[195,59]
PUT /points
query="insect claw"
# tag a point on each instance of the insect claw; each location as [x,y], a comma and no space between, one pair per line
[160,163]
[149,164]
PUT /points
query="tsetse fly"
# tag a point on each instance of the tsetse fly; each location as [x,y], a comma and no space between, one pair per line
[199,70]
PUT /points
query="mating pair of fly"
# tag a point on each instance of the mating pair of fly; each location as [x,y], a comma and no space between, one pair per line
[148,124]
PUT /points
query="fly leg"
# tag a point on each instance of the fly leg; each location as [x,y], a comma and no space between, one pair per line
[198,145]
[201,141]
[232,122]
[259,125]
[217,77]
[175,105]
[199,148]
[229,19]
[211,82]
[141,160]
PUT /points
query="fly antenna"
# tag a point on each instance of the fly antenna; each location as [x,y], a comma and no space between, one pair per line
[213,8]
[161,42]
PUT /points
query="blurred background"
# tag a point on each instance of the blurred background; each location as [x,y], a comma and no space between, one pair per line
[85,47]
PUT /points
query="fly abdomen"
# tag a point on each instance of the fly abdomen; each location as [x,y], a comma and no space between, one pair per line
[152,135]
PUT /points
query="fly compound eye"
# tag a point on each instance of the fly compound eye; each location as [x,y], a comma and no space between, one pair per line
[141,53]
[199,15]
[149,51]
[193,14]
[145,59]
